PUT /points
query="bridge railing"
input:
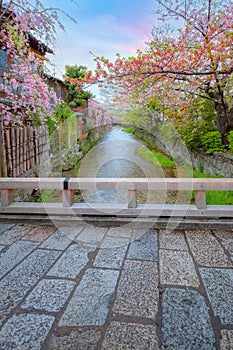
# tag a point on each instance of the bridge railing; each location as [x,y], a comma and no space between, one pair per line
[131,185]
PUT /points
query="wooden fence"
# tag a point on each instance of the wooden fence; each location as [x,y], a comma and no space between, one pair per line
[21,148]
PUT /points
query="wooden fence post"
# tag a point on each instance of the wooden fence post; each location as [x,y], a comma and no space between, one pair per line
[3,165]
[9,156]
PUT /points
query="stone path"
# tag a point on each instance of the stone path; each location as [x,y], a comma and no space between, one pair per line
[112,288]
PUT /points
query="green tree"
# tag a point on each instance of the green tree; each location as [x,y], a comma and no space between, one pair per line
[76,95]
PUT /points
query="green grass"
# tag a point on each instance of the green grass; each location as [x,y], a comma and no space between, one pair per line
[150,143]
[215,197]
[129,130]
[45,196]
[156,158]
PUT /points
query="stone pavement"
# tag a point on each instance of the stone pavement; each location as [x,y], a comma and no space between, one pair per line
[89,287]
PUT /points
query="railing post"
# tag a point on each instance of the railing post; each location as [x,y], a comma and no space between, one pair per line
[68,198]
[68,195]
[132,199]
[7,196]
[200,199]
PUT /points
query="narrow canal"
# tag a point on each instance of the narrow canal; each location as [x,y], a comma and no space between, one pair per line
[116,156]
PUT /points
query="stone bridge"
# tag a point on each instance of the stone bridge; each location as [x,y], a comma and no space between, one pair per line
[115,281]
[86,286]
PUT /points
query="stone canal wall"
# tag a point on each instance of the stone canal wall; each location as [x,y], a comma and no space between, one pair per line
[214,164]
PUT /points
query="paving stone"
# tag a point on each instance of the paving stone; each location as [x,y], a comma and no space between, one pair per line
[219,287]
[128,336]
[137,293]
[14,233]
[71,232]
[177,268]
[4,227]
[145,247]
[114,242]
[80,340]
[49,295]
[40,234]
[90,302]
[15,285]
[226,238]
[206,249]
[186,323]
[72,261]
[92,235]
[57,240]
[25,332]
[123,232]
[110,257]
[226,341]
[14,254]
[138,232]
[172,240]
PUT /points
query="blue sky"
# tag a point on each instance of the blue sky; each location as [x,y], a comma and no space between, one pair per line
[105,27]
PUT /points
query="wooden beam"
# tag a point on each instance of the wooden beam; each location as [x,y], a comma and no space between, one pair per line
[143,210]
[31,183]
[165,184]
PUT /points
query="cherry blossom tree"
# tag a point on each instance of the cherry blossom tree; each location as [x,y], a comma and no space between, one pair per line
[98,115]
[196,61]
[24,92]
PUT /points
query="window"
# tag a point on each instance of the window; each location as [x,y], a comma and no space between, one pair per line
[3,61]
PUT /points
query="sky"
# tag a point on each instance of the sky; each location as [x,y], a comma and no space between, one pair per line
[104,27]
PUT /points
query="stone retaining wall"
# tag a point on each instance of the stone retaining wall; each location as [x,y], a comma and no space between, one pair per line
[214,164]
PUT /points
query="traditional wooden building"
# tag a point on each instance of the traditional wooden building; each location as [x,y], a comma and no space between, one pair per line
[35,46]
[57,85]
[22,149]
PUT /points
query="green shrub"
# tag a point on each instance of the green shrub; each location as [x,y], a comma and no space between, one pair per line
[61,113]
[87,144]
[80,102]
[230,139]
[212,142]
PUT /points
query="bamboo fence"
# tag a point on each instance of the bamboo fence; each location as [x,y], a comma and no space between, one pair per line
[21,148]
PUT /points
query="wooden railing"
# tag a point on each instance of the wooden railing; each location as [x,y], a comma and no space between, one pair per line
[131,185]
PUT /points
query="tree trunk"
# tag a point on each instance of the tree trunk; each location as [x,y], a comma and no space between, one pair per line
[224,121]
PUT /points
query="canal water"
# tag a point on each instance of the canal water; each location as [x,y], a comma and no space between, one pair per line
[116,156]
